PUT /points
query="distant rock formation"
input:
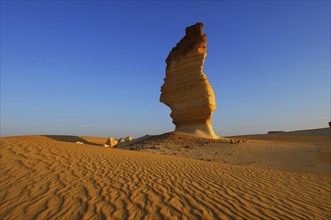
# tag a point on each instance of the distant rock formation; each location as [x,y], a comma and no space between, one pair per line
[275,132]
[128,139]
[186,89]
[121,140]
[111,142]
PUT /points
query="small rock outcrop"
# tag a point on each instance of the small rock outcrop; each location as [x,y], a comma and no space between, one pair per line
[128,139]
[186,89]
[237,141]
[121,140]
[111,142]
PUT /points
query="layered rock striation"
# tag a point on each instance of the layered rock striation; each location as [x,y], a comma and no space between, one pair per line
[186,89]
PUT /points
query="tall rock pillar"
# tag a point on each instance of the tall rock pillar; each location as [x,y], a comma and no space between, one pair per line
[186,89]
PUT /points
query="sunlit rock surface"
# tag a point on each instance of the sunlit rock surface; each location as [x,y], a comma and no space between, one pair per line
[186,89]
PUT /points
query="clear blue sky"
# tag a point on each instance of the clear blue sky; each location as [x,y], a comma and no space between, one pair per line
[95,67]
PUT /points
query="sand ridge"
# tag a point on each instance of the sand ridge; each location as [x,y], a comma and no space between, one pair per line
[43,178]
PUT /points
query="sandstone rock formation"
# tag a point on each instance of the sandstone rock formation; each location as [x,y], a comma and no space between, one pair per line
[111,142]
[186,89]
[121,140]
[128,139]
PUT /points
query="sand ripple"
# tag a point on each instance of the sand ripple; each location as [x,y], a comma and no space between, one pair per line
[47,179]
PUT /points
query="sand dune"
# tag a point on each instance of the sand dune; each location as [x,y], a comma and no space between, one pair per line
[312,135]
[304,152]
[43,178]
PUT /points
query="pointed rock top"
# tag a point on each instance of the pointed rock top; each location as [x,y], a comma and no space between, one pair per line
[194,29]
[194,39]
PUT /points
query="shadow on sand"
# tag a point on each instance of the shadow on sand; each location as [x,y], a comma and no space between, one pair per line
[71,139]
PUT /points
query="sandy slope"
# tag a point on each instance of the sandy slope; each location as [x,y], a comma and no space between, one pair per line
[303,136]
[304,151]
[43,178]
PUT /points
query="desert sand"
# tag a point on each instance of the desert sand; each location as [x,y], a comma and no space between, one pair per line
[305,151]
[51,177]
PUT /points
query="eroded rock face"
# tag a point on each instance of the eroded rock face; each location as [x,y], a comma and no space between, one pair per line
[186,89]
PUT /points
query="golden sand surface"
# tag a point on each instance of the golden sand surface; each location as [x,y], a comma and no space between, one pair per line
[303,151]
[45,178]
